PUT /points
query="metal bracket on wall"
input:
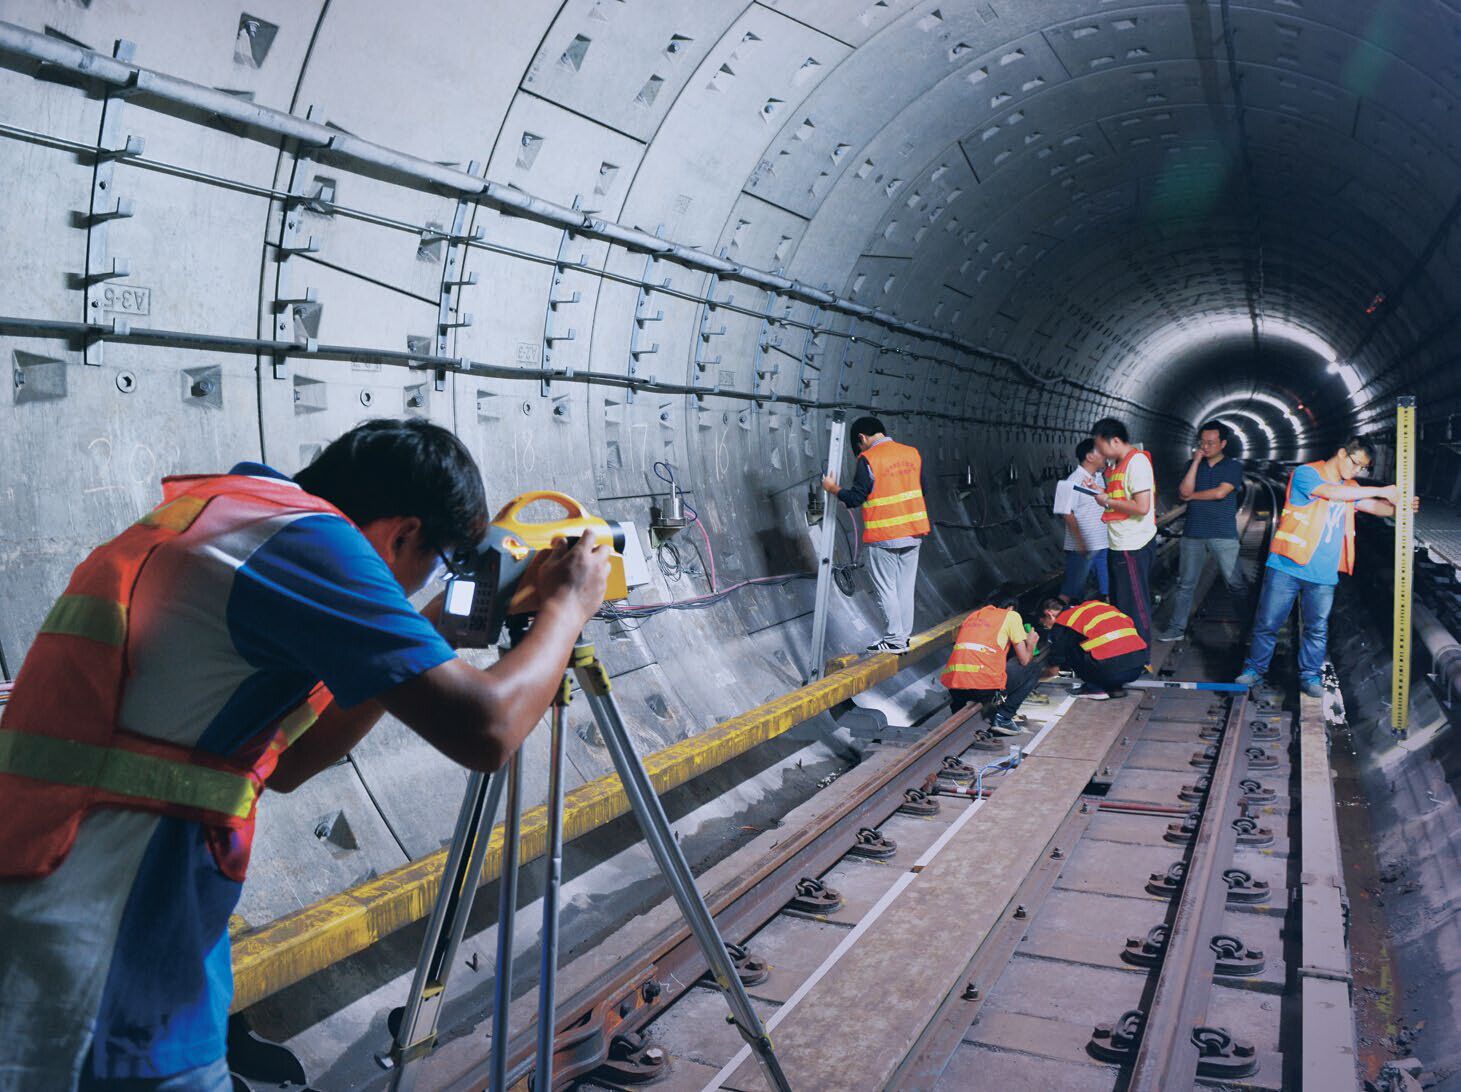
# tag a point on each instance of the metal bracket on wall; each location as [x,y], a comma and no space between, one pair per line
[449,318]
[814,344]
[642,315]
[761,366]
[707,329]
[106,206]
[296,306]
[552,333]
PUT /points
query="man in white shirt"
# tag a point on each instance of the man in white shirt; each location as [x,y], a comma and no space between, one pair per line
[1131,521]
[1085,534]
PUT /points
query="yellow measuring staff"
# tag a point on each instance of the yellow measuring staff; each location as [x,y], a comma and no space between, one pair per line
[1404,561]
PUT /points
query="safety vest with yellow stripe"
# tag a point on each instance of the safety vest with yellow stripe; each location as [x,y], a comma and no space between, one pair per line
[978,661]
[62,752]
[1301,526]
[1116,485]
[1105,632]
[894,508]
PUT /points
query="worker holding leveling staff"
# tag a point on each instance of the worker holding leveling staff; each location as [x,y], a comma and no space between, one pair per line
[888,486]
[1312,545]
[160,696]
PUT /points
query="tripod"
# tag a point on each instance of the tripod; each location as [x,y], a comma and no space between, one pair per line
[416,1034]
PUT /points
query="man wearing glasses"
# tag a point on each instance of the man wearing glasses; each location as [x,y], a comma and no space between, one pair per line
[1313,544]
[247,631]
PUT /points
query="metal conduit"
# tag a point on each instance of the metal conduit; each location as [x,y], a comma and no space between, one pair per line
[137,80]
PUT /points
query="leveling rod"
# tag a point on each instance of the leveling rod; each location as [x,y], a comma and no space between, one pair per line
[1404,562]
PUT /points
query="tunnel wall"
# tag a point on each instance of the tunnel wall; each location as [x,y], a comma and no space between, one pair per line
[93,425]
[1044,189]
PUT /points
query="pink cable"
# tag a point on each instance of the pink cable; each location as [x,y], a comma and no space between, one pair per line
[709,553]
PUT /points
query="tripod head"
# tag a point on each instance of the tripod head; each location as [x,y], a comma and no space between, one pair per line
[495,583]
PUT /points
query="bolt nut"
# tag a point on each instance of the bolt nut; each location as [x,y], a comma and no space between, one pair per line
[1021,912]
[650,990]
[1056,854]
[971,992]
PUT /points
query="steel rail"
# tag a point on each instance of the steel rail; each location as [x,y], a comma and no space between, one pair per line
[646,979]
[1168,1057]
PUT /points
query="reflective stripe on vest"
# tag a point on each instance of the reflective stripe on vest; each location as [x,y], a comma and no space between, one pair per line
[977,661]
[62,752]
[1301,527]
[895,507]
[1116,486]
[121,772]
[1105,631]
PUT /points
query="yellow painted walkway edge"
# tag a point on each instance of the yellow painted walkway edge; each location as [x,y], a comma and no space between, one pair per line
[291,948]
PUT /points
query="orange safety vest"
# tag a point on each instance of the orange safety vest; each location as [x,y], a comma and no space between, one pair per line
[1116,485]
[978,660]
[895,508]
[1105,631]
[1300,527]
[62,752]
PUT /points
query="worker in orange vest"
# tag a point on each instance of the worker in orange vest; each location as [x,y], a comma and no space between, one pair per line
[994,653]
[247,631]
[1312,545]
[1130,501]
[1097,641]
[888,486]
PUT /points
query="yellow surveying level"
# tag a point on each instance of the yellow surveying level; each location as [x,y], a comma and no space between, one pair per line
[1404,561]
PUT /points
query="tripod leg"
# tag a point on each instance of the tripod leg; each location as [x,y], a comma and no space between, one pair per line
[552,883]
[645,802]
[506,912]
[416,1033]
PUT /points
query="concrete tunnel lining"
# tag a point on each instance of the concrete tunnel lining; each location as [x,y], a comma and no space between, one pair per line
[1033,279]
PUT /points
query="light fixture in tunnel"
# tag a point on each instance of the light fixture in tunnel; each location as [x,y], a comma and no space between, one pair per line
[1258,422]
[1348,375]
[1235,403]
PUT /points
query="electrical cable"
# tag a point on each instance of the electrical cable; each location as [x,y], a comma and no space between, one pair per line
[610,612]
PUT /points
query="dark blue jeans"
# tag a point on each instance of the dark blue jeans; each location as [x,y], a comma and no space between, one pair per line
[1079,568]
[1274,603]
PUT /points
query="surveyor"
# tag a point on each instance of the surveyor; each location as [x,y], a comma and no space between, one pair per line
[1098,641]
[888,486]
[1130,501]
[993,654]
[184,657]
[1312,545]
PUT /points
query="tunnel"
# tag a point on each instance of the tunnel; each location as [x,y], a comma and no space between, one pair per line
[628,247]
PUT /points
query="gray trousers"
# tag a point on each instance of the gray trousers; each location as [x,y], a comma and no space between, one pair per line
[1193,559]
[895,577]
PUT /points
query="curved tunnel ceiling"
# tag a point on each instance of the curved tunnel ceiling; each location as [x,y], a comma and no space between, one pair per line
[1032,213]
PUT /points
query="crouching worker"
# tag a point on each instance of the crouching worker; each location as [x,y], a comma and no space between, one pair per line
[176,677]
[1098,643]
[993,652]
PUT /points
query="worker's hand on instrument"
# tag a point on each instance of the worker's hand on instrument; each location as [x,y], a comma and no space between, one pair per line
[576,575]
[829,483]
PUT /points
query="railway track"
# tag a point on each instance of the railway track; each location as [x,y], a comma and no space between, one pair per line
[1145,939]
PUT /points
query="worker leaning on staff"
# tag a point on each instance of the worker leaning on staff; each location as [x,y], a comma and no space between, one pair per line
[888,486]
[1098,642]
[979,666]
[160,696]
[1313,544]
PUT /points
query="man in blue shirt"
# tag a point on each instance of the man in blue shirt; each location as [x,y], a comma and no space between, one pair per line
[1312,545]
[115,961]
[1210,488]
